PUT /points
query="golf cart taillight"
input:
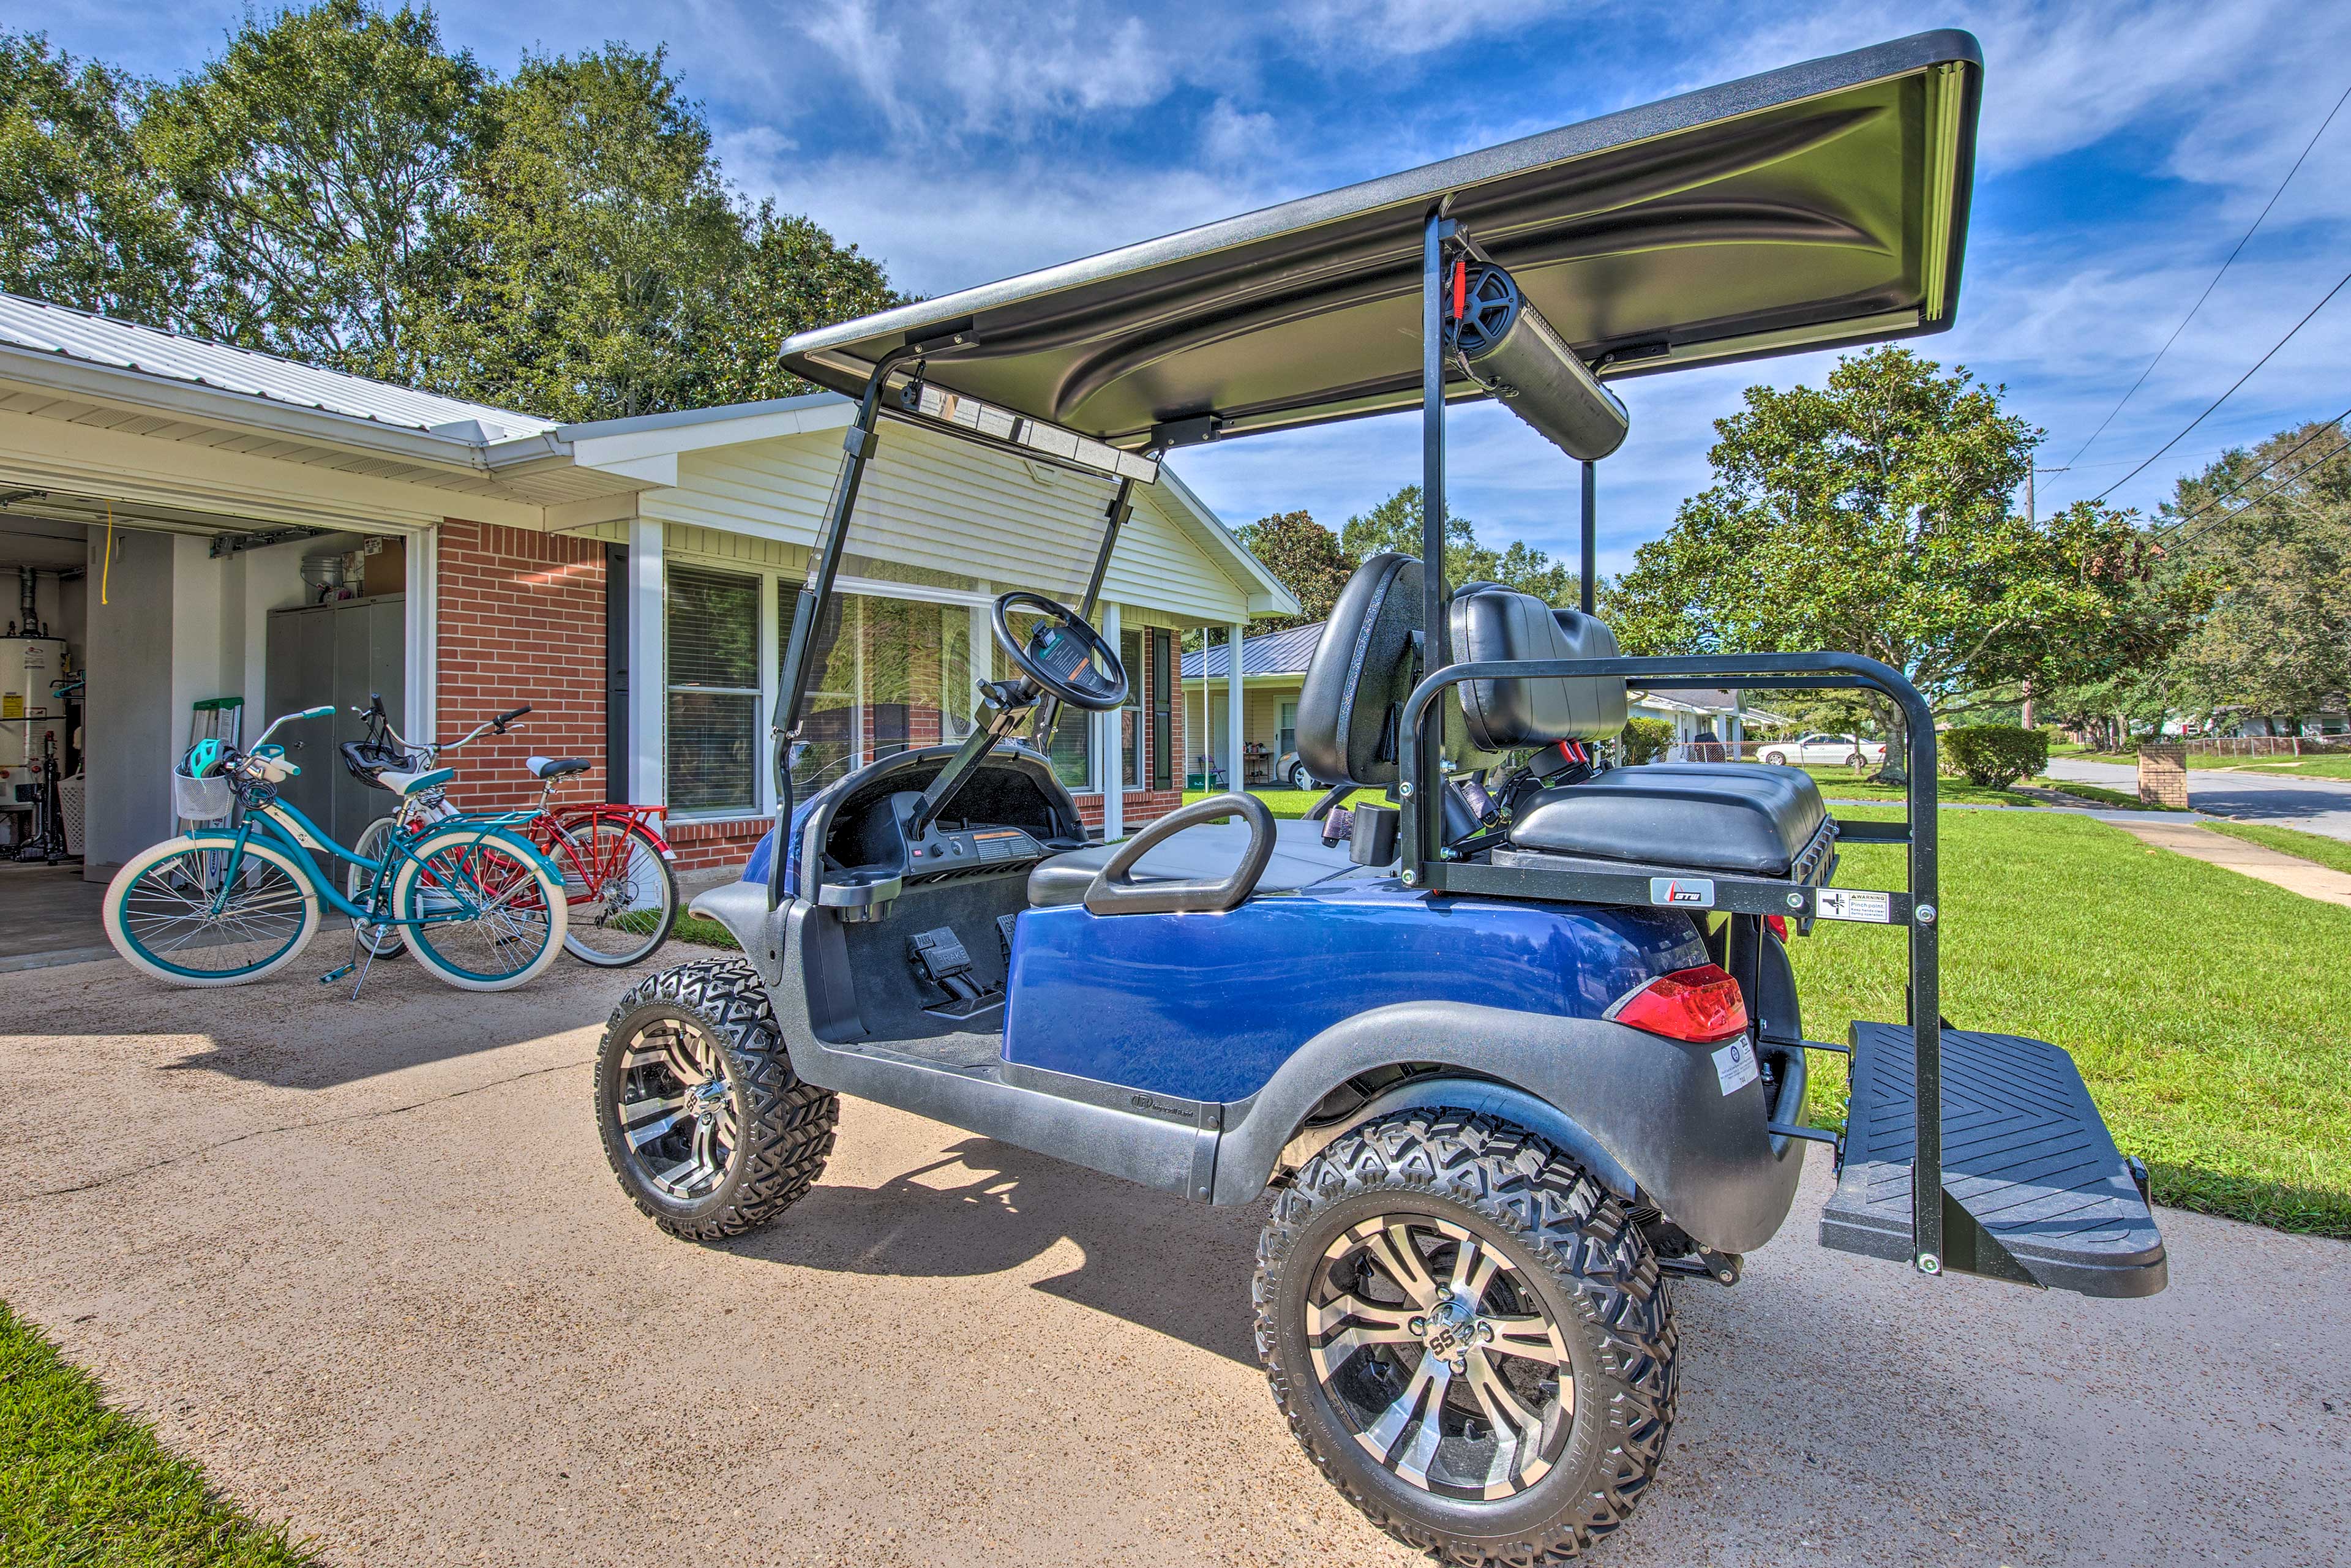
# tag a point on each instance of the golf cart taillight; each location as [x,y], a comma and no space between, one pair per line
[1701,1005]
[1777,926]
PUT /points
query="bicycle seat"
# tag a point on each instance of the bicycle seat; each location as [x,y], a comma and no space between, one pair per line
[557,767]
[416,783]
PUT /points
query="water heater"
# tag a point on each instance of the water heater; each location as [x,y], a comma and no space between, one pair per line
[28,665]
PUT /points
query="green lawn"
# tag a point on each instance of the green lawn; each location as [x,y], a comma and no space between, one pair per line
[1844,784]
[2329,767]
[2197,1005]
[82,1486]
[2308,767]
[2100,794]
[2317,847]
[707,932]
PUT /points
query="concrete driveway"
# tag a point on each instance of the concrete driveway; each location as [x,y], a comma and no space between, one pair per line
[366,1263]
[2314,805]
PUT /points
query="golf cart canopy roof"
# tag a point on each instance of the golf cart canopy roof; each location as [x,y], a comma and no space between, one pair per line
[1819,206]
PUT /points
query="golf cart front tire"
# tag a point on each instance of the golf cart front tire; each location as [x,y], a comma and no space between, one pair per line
[1559,1232]
[786,1125]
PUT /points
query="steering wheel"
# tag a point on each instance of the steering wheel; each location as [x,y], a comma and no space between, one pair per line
[1062,655]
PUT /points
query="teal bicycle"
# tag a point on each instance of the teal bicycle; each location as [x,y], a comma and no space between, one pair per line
[476,902]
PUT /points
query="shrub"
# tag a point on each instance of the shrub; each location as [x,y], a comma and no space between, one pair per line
[1645,739]
[1995,756]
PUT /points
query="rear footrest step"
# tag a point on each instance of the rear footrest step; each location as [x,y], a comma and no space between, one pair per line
[2025,1154]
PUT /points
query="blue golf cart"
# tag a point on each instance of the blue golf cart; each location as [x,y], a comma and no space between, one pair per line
[1524,1050]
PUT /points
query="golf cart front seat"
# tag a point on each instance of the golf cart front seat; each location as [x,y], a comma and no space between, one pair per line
[1727,817]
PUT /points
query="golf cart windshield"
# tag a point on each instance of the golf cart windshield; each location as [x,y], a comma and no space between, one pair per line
[1818,205]
[902,639]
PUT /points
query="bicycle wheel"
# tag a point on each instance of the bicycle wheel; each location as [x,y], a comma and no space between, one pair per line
[623,895]
[172,912]
[491,909]
[359,886]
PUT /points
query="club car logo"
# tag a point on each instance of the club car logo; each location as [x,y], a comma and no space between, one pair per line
[1688,892]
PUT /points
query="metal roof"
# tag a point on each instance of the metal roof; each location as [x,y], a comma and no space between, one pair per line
[1817,205]
[30,324]
[1267,653]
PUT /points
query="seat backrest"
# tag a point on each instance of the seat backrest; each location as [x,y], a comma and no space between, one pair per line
[1351,701]
[1489,621]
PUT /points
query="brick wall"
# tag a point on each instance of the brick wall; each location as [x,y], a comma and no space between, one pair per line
[521,620]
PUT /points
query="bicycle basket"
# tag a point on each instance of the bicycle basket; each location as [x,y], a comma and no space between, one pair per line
[200,800]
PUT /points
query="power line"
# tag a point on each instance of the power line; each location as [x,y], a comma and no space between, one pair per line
[2175,531]
[2225,396]
[2265,212]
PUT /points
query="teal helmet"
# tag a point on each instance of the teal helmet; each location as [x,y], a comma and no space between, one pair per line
[205,758]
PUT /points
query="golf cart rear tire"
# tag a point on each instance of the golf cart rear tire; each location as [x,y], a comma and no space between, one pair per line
[1595,1275]
[788,1125]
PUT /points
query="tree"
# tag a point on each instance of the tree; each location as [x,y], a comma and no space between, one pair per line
[1308,559]
[792,276]
[2278,640]
[1395,525]
[1872,517]
[314,159]
[340,188]
[83,220]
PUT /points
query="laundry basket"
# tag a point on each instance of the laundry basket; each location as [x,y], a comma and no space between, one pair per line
[200,800]
[71,792]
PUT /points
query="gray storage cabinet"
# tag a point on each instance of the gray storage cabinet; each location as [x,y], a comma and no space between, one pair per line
[338,654]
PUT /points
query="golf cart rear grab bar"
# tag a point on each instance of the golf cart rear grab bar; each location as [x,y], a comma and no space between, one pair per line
[1423,833]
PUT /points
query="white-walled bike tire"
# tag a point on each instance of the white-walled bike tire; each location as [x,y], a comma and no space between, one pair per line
[134,923]
[472,955]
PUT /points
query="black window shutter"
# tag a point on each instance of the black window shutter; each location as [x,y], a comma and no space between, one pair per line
[1162,678]
[616,672]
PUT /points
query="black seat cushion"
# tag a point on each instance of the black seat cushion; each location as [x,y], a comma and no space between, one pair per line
[1492,622]
[1724,816]
[559,767]
[1301,859]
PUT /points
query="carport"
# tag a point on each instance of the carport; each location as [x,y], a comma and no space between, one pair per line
[182,521]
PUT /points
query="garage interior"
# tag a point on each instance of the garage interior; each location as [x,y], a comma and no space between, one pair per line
[120,622]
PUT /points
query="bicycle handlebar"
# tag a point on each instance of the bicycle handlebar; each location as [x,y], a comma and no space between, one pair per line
[323,711]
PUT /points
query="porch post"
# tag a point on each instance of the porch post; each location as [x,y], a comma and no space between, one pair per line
[647,783]
[1111,753]
[1236,774]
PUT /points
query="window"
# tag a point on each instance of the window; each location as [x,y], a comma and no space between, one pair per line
[1134,763]
[1285,740]
[891,675]
[712,631]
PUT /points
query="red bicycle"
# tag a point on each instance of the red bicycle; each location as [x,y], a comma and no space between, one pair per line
[614,861]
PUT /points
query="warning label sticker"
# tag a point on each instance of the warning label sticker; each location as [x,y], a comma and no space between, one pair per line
[1734,1064]
[1843,903]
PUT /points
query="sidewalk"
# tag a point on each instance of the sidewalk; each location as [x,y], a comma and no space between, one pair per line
[2289,872]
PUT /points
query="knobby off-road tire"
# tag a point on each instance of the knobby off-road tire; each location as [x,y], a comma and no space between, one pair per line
[1562,1246]
[698,1038]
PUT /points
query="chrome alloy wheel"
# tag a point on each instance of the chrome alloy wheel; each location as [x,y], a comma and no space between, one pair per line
[677,1109]
[1440,1358]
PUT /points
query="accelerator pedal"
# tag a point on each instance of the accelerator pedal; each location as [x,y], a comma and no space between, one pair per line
[2034,1189]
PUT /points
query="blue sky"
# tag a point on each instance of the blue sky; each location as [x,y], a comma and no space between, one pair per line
[2126,145]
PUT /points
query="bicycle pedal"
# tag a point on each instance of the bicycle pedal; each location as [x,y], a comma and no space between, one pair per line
[331,976]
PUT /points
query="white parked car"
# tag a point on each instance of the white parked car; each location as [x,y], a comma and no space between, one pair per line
[1825,751]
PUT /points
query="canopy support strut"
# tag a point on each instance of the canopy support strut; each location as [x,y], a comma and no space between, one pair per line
[1591,533]
[808,611]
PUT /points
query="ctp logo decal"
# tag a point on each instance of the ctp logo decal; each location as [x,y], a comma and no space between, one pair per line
[1686,892]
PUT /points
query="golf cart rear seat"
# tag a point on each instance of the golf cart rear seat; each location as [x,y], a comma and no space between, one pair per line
[1733,817]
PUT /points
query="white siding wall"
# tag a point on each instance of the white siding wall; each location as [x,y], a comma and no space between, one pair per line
[941,504]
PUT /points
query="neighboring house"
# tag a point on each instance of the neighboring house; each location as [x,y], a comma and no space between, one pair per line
[1273,668]
[628,578]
